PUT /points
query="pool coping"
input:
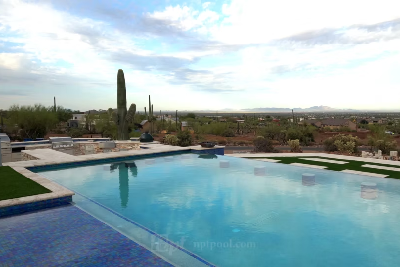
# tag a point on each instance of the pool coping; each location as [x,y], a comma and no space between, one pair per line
[58,196]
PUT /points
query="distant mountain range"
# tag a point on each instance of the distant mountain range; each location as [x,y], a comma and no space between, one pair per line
[277,110]
[311,109]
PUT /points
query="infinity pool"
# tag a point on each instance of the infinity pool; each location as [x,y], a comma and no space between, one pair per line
[231,217]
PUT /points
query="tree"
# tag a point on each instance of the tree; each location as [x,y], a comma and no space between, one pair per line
[191,115]
[33,121]
[63,114]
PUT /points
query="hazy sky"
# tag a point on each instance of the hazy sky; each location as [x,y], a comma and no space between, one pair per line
[201,55]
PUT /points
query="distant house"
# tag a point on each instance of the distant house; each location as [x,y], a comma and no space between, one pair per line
[79,117]
[336,123]
[240,121]
[73,123]
[146,126]
[331,123]
[78,121]
[184,126]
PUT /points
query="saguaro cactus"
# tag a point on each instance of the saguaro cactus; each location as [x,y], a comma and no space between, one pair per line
[123,117]
[150,116]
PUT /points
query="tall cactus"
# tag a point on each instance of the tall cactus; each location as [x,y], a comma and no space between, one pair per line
[122,118]
[150,117]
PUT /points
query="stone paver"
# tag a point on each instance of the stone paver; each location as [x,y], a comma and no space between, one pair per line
[325,160]
[308,165]
[325,155]
[381,167]
[366,173]
[269,160]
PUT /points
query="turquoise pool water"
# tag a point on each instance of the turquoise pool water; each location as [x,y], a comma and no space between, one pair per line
[232,217]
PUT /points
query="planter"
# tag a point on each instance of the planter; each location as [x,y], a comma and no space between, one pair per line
[146,137]
[207,144]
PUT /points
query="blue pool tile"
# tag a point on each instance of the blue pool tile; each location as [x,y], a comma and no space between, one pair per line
[67,236]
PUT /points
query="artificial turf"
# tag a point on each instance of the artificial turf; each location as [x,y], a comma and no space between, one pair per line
[14,185]
[351,165]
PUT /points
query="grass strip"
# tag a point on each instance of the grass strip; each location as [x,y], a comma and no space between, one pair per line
[351,165]
[14,185]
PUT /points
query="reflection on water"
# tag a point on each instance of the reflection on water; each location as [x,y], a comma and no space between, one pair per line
[208,156]
[124,179]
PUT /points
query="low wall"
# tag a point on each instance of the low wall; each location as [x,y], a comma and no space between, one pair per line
[33,147]
[80,147]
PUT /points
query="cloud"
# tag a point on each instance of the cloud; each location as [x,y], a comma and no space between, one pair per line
[250,47]
[354,34]
[252,21]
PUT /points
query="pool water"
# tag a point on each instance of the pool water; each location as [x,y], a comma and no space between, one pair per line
[231,217]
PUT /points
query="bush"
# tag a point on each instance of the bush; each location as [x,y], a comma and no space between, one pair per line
[241,143]
[228,133]
[171,140]
[386,146]
[77,132]
[342,143]
[184,138]
[262,144]
[294,145]
[222,142]
[135,134]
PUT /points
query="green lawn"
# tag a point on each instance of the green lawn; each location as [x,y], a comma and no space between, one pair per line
[14,185]
[351,165]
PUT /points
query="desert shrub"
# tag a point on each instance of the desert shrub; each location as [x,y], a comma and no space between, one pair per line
[381,140]
[386,146]
[77,132]
[342,143]
[241,143]
[228,133]
[222,142]
[345,146]
[184,138]
[228,141]
[262,144]
[171,140]
[294,145]
[135,134]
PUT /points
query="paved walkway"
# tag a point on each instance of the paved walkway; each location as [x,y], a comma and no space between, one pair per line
[67,236]
[381,167]
[334,159]
[308,165]
[326,160]
[325,155]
